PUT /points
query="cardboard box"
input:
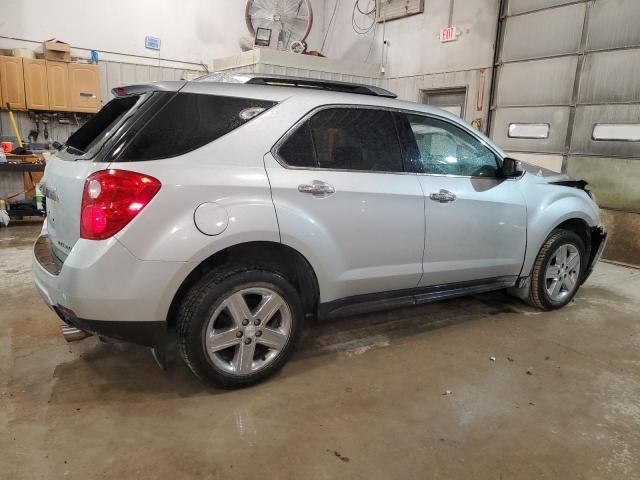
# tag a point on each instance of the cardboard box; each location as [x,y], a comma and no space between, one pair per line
[30,180]
[56,50]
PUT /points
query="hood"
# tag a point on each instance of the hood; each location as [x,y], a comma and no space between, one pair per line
[544,175]
[549,176]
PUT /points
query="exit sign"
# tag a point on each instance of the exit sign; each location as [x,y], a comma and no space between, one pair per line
[448,34]
[152,43]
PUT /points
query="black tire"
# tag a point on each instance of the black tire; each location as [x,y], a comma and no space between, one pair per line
[201,303]
[538,295]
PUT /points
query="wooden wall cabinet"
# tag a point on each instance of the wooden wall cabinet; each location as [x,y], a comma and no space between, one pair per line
[84,83]
[12,83]
[35,84]
[58,81]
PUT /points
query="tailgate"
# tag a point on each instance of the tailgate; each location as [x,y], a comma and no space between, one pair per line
[63,184]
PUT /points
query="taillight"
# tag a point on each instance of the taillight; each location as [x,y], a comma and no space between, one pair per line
[111,199]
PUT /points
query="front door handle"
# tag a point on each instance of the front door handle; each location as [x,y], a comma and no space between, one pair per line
[443,196]
[317,188]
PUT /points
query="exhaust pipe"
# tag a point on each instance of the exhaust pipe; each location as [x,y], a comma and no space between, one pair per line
[73,334]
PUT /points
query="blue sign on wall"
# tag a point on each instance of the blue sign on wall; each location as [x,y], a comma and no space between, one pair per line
[152,43]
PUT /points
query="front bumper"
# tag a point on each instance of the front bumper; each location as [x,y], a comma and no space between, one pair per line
[103,289]
[598,242]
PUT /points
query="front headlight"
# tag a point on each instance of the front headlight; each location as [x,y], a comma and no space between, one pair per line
[592,195]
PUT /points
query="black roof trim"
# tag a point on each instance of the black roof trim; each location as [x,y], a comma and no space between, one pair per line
[317,83]
[302,82]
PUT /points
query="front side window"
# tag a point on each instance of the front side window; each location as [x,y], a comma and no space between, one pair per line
[448,150]
[361,139]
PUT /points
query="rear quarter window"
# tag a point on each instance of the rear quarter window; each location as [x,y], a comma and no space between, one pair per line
[189,121]
[90,137]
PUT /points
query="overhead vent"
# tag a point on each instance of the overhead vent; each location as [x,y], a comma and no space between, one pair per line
[394,9]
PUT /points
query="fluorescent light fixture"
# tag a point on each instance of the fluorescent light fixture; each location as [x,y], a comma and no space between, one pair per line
[529,130]
[621,132]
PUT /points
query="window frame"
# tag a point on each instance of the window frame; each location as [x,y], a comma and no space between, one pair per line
[165,98]
[419,165]
[407,164]
[411,166]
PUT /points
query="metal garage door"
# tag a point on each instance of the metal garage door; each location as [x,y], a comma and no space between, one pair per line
[567,96]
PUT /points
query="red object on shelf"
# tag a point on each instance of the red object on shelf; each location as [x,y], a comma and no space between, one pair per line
[7,146]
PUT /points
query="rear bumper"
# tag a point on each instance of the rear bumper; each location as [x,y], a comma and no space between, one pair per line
[103,289]
[150,334]
[598,242]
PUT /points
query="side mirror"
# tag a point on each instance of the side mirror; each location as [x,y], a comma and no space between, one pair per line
[511,167]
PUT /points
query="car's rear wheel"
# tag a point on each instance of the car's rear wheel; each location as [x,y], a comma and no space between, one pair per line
[557,271]
[238,326]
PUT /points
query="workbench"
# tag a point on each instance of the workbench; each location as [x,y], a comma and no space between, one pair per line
[14,181]
[21,167]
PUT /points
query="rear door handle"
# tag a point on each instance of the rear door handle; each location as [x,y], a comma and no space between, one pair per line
[317,188]
[443,196]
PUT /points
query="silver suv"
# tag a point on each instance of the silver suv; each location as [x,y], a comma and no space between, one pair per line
[224,211]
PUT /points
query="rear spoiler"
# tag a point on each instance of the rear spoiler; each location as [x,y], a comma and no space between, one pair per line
[140,88]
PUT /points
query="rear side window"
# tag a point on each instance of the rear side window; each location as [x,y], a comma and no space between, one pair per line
[298,150]
[345,139]
[93,133]
[189,121]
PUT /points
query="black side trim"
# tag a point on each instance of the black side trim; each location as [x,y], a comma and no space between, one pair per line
[580,184]
[360,304]
[598,242]
[150,334]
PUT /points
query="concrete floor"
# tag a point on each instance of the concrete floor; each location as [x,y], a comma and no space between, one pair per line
[362,398]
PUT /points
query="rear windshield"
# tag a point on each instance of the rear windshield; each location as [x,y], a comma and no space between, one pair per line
[89,137]
[189,121]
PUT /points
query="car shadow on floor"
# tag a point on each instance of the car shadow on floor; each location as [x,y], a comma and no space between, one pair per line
[104,370]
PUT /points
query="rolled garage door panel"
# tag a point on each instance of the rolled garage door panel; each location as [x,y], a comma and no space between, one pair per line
[611,77]
[536,82]
[556,117]
[623,15]
[543,34]
[587,116]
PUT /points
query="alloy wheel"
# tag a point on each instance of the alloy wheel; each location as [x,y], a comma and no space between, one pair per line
[248,330]
[562,272]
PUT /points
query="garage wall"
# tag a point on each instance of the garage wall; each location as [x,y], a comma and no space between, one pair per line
[414,59]
[264,60]
[572,65]
[414,46]
[191,30]
[112,74]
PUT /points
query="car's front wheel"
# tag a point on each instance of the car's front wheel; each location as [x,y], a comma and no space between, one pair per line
[557,271]
[239,325]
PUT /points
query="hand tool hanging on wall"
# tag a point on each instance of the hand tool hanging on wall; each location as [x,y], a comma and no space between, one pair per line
[45,122]
[15,127]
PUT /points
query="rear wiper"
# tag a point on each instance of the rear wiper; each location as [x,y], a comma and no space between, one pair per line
[74,150]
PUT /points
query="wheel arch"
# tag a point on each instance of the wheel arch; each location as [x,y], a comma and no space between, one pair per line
[576,222]
[581,228]
[272,256]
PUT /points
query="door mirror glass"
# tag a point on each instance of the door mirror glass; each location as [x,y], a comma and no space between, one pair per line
[511,167]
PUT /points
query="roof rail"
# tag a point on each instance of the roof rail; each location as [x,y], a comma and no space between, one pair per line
[303,82]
